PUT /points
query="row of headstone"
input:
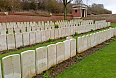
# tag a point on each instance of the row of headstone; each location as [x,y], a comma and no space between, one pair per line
[102,23]
[87,41]
[11,41]
[32,26]
[35,62]
[72,23]
[22,29]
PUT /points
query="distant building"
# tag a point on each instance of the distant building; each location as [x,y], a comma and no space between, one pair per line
[79,11]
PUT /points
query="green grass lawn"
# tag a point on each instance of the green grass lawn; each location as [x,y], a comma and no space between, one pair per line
[101,64]
[113,25]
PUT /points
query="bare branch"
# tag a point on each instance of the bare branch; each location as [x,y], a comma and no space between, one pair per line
[69,1]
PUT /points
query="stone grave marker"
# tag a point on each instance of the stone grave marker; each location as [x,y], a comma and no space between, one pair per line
[32,37]
[73,47]
[17,30]
[10,30]
[11,66]
[56,33]
[38,36]
[51,55]
[3,45]
[60,32]
[60,52]
[41,59]
[66,49]
[69,37]
[79,44]
[28,64]
[3,30]
[18,39]
[10,41]
[52,33]
[26,38]
[28,28]
[0,70]
[43,35]
[48,34]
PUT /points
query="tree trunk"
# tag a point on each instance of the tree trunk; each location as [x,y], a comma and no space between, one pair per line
[64,12]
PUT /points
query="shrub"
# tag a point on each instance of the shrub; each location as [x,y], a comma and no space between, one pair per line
[47,75]
[56,26]
[79,58]
[76,33]
[49,39]
[91,29]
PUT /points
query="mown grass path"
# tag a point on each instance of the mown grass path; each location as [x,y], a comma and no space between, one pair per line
[101,64]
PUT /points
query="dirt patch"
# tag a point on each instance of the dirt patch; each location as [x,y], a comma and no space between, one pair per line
[59,68]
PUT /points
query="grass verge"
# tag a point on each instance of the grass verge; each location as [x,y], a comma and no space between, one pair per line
[101,64]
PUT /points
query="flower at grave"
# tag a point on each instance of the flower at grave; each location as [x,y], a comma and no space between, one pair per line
[76,33]
[91,29]
[49,39]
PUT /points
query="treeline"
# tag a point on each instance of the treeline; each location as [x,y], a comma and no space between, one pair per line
[46,5]
[98,9]
[53,6]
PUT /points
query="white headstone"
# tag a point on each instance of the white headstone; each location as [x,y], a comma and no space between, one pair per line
[63,32]
[60,32]
[51,55]
[23,29]
[17,30]
[32,37]
[3,45]
[38,36]
[47,34]
[71,30]
[60,52]
[0,70]
[3,30]
[69,37]
[88,41]
[26,38]
[79,44]
[41,59]
[56,33]
[52,33]
[11,66]
[73,47]
[33,28]
[10,30]
[28,28]
[84,43]
[18,39]
[28,64]
[67,49]
[10,41]
[43,35]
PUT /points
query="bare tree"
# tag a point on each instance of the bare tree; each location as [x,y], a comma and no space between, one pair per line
[78,1]
[65,2]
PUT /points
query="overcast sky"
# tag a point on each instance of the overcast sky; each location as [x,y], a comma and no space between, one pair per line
[108,4]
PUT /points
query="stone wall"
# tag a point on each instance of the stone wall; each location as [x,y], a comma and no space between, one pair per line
[26,18]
